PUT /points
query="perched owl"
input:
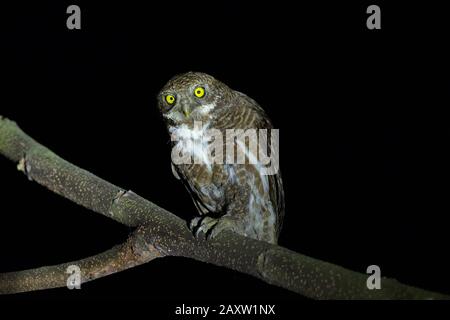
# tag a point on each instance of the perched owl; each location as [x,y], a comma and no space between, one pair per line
[229,195]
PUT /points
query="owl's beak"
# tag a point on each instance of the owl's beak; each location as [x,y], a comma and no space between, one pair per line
[186,110]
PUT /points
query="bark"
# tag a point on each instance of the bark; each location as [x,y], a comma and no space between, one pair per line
[160,233]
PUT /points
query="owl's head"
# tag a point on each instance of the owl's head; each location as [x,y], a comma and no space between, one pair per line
[192,96]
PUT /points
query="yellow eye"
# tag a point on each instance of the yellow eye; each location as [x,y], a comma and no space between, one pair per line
[170,99]
[199,92]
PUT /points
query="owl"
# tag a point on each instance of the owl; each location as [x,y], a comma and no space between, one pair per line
[229,194]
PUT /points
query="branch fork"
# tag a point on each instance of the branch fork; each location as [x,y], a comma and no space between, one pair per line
[159,233]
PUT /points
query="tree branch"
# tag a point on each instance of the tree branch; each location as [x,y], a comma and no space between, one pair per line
[161,233]
[121,257]
[78,185]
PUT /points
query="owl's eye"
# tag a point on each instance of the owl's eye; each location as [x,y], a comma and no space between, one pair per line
[199,92]
[170,99]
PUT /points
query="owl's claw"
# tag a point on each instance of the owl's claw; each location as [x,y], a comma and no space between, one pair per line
[194,223]
[211,227]
[205,225]
[227,223]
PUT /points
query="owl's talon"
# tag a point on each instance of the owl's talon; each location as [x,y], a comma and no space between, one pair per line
[194,223]
[210,227]
[226,223]
[206,224]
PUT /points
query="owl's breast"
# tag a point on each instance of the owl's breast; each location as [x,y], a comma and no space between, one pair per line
[208,185]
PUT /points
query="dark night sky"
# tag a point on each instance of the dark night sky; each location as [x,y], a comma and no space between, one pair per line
[363,128]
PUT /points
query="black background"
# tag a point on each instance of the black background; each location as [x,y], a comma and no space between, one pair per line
[363,128]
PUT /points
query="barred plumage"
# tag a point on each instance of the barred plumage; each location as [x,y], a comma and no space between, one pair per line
[232,196]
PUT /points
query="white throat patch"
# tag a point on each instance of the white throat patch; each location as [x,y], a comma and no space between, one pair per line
[192,142]
[206,108]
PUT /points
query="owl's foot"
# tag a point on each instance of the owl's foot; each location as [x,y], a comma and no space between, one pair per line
[201,226]
[227,223]
[211,227]
[194,223]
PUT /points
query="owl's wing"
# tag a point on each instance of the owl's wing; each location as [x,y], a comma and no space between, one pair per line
[276,191]
[202,195]
[276,194]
